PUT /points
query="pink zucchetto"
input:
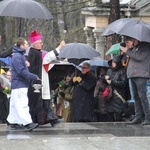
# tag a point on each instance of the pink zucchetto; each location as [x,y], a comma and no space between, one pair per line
[34,36]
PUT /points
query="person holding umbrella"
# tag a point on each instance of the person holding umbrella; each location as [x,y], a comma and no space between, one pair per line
[39,103]
[138,72]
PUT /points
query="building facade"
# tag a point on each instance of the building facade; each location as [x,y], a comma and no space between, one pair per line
[97,16]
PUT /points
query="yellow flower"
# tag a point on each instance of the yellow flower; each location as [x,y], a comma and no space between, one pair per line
[6,88]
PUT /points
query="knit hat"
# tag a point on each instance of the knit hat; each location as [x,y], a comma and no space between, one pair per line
[34,36]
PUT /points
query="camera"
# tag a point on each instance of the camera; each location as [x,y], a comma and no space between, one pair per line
[123,44]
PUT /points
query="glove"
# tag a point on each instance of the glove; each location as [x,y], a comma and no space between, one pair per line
[62,94]
[74,79]
[79,79]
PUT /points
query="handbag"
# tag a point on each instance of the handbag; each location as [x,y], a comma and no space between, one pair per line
[107,93]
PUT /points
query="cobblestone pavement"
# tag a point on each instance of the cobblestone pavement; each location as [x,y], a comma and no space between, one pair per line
[77,136]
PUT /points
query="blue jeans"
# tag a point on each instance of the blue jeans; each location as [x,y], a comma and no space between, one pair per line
[141,100]
[131,90]
[148,91]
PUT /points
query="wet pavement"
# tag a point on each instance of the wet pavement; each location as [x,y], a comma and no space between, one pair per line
[77,136]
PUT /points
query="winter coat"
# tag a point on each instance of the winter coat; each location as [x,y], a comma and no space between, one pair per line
[5,53]
[83,98]
[64,102]
[119,82]
[139,65]
[20,73]
[4,106]
[101,103]
[67,104]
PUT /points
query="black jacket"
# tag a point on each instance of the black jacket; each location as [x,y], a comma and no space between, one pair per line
[119,83]
[6,53]
[83,98]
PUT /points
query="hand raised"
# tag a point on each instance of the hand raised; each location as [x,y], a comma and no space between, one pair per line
[61,45]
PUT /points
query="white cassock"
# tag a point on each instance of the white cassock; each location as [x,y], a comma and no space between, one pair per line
[19,109]
[47,59]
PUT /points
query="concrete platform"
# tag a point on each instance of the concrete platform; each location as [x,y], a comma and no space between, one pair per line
[77,136]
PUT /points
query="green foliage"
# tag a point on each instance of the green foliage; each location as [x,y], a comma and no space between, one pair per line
[62,84]
[5,89]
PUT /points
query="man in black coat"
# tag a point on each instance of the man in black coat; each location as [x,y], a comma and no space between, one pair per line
[83,97]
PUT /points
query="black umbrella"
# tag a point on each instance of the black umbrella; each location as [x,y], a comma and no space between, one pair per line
[117,25]
[78,51]
[60,70]
[137,30]
[24,9]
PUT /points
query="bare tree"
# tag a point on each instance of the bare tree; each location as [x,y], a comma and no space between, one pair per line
[114,10]
[114,15]
[67,16]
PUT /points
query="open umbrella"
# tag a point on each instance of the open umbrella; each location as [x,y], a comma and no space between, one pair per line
[78,51]
[116,26]
[119,25]
[107,32]
[96,62]
[114,49]
[6,60]
[24,9]
[137,30]
[58,71]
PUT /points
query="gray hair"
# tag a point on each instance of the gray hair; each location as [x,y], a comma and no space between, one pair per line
[86,64]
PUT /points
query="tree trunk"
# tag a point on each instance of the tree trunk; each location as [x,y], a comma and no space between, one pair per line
[114,10]
[114,15]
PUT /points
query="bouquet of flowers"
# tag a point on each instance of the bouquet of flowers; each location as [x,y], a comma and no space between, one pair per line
[5,89]
[62,84]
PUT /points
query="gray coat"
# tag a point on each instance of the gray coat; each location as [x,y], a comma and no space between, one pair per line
[139,62]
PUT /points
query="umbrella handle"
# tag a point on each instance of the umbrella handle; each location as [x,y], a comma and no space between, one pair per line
[75,73]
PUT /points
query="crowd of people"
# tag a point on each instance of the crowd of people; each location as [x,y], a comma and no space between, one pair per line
[83,96]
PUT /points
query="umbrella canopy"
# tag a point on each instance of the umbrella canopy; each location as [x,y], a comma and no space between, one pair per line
[60,70]
[79,51]
[116,26]
[96,62]
[6,60]
[114,49]
[120,25]
[24,9]
[107,32]
[137,30]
